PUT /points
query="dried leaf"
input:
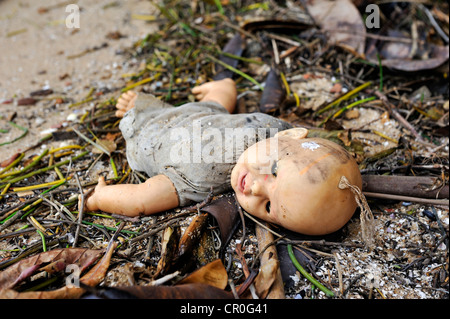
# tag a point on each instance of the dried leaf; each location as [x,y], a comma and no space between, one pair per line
[186,291]
[276,24]
[97,273]
[107,144]
[169,251]
[438,56]
[23,269]
[92,278]
[9,160]
[225,211]
[26,101]
[341,20]
[266,277]
[213,274]
[235,47]
[273,94]
[192,234]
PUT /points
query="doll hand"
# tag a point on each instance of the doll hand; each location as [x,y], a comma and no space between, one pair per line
[91,202]
[125,103]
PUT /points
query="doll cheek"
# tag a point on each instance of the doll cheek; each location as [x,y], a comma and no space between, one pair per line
[265,178]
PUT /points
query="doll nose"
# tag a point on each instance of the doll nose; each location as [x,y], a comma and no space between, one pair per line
[256,188]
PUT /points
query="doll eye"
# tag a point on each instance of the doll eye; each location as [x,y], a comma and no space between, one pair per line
[274,168]
[268,207]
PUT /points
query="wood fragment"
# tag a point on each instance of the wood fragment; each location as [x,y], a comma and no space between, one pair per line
[412,186]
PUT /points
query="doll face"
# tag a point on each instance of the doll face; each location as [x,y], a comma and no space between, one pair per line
[262,181]
[296,185]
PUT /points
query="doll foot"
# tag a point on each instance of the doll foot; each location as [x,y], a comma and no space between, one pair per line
[125,103]
[221,91]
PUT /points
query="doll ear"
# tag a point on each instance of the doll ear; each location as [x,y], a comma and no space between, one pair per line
[295,133]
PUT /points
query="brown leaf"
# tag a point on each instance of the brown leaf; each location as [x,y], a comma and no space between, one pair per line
[273,94]
[438,55]
[42,92]
[235,46]
[341,20]
[226,213]
[169,251]
[9,160]
[92,278]
[187,291]
[55,267]
[108,145]
[26,101]
[97,273]
[266,277]
[23,269]
[192,234]
[62,293]
[213,274]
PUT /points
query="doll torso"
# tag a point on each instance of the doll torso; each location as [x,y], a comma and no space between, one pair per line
[196,145]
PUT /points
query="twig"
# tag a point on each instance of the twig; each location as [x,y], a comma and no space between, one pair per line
[433,22]
[241,214]
[84,137]
[339,270]
[443,202]
[25,132]
[13,164]
[229,67]
[391,109]
[344,97]
[42,170]
[80,210]
[261,224]
[164,279]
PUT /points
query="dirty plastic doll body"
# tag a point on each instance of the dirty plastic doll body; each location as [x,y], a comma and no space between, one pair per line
[294,184]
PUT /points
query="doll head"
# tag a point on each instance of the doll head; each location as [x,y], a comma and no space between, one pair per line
[295,184]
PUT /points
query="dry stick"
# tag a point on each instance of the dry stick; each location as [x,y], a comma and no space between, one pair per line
[153,231]
[443,202]
[397,116]
[339,270]
[12,220]
[80,209]
[42,170]
[30,250]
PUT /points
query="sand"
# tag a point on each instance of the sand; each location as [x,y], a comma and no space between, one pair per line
[39,51]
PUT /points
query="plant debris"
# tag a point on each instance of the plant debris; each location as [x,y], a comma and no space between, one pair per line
[302,69]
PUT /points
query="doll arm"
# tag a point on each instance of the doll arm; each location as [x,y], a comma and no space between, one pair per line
[157,194]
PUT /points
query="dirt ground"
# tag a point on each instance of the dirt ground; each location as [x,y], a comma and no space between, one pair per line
[38,51]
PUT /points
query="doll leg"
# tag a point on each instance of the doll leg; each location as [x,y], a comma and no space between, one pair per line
[125,103]
[222,91]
